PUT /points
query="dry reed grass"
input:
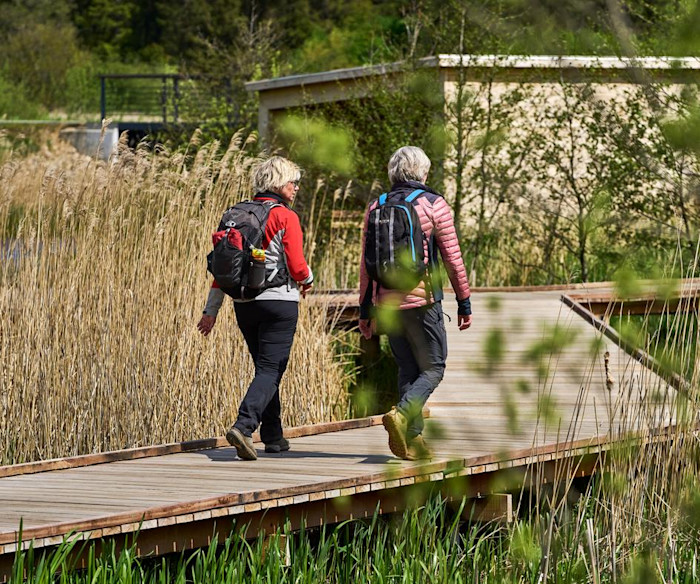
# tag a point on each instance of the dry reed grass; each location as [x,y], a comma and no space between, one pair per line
[103,279]
[644,502]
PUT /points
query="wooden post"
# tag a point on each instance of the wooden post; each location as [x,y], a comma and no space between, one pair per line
[495,507]
[281,541]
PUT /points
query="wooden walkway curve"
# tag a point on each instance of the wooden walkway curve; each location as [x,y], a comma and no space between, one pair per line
[527,385]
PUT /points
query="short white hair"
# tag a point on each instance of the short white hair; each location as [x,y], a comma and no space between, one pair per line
[274,173]
[408,163]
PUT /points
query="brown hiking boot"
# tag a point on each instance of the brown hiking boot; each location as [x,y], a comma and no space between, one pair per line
[396,425]
[244,444]
[281,445]
[417,449]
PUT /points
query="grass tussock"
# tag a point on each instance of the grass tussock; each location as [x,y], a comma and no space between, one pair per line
[103,278]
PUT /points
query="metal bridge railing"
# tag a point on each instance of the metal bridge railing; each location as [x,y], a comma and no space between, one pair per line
[164,98]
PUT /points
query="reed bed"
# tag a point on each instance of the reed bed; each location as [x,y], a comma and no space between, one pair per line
[103,279]
[637,521]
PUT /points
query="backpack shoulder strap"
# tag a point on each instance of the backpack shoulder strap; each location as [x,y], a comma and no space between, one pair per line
[260,210]
[414,195]
[408,198]
[262,213]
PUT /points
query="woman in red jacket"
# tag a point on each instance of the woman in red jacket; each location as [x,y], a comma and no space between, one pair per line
[268,321]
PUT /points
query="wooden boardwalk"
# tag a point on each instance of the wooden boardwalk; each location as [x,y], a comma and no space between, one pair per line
[526,385]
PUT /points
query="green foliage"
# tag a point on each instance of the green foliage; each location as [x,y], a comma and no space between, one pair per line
[317,144]
[627,283]
[494,303]
[373,384]
[242,40]
[525,214]
[685,40]
[635,522]
[553,342]
[690,505]
[353,42]
[40,56]
[684,133]
[17,142]
[81,90]
[493,351]
[525,549]
[671,338]
[400,112]
[388,319]
[543,27]
[15,102]
[106,26]
[428,542]
[642,570]
[196,28]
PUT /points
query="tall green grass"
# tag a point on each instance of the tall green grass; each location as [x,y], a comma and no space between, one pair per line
[431,544]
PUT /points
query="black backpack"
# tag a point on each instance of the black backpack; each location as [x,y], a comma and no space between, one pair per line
[394,242]
[237,260]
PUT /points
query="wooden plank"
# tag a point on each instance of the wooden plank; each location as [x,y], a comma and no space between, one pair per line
[644,358]
[161,450]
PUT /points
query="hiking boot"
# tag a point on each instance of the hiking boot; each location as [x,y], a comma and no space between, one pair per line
[395,424]
[417,449]
[281,445]
[244,444]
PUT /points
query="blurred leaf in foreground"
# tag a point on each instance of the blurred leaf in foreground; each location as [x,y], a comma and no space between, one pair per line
[494,348]
[684,133]
[315,142]
[627,284]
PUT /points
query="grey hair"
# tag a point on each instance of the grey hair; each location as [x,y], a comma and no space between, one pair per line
[408,163]
[275,172]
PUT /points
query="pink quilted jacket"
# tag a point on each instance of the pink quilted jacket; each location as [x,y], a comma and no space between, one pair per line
[435,218]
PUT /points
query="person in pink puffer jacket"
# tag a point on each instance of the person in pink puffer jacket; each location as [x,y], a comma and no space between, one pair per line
[417,338]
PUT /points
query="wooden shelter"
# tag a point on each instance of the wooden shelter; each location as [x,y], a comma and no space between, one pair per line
[282,94]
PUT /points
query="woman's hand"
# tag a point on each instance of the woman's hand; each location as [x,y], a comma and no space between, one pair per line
[464,321]
[205,324]
[305,288]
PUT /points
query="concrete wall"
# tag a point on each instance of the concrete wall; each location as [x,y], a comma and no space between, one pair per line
[92,141]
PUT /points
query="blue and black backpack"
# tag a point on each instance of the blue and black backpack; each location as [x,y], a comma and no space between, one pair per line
[395,242]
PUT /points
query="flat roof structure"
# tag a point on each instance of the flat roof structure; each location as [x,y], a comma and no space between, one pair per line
[282,93]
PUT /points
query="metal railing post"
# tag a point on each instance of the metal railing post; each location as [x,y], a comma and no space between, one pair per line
[103,97]
[164,99]
[176,97]
[145,101]
[229,102]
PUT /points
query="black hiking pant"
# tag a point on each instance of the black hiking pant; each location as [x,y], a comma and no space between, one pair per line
[268,327]
[419,346]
